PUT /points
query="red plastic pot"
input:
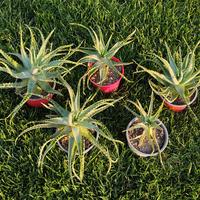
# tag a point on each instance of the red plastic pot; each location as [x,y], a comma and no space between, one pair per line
[38,103]
[111,87]
[179,108]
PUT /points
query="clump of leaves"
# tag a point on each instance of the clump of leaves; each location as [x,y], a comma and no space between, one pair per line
[179,77]
[100,55]
[77,123]
[34,68]
[148,122]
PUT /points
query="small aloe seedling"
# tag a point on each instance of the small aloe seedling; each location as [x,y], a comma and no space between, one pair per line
[76,122]
[148,123]
[179,78]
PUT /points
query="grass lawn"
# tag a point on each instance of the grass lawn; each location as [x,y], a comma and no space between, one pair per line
[131,177]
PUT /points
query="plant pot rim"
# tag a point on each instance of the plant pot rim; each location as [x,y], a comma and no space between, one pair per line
[147,154]
[118,80]
[86,151]
[183,105]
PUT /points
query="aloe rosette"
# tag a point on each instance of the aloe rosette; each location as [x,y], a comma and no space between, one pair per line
[76,122]
[100,56]
[179,78]
[149,123]
[34,69]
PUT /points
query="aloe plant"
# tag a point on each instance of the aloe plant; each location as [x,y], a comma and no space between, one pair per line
[76,122]
[178,78]
[148,122]
[100,55]
[34,69]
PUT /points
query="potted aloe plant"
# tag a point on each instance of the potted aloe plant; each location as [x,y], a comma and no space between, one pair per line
[104,70]
[177,80]
[76,130]
[146,134]
[35,70]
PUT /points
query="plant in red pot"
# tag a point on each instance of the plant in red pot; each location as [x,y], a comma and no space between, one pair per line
[177,80]
[35,70]
[104,70]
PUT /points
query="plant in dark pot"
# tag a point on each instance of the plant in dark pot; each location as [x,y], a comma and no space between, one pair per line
[76,131]
[178,79]
[146,134]
[35,70]
[104,70]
